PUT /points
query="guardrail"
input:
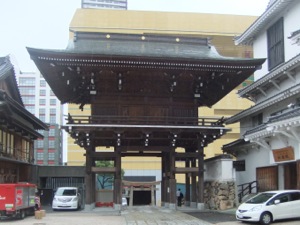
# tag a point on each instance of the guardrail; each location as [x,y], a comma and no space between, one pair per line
[246,189]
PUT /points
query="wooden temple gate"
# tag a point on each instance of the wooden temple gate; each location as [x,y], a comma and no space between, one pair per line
[144,92]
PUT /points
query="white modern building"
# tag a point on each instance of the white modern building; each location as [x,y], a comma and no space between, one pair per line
[268,152]
[39,99]
[104,4]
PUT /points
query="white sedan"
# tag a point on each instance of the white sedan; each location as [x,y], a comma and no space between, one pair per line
[269,206]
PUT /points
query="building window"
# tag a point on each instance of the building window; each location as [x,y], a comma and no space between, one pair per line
[52,132]
[257,120]
[51,156]
[42,92]
[26,81]
[52,118]
[42,101]
[28,100]
[42,111]
[239,165]
[27,91]
[275,44]
[42,83]
[40,143]
[52,111]
[39,155]
[52,101]
[51,143]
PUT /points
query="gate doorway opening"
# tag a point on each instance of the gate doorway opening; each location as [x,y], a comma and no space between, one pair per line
[141,198]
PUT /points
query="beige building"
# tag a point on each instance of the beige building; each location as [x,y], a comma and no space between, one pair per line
[221,29]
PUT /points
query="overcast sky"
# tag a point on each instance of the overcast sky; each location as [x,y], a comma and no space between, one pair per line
[45,23]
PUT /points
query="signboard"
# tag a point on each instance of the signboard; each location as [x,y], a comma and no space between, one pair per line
[283,154]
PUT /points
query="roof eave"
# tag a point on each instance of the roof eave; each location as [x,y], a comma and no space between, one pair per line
[264,104]
[270,14]
[278,71]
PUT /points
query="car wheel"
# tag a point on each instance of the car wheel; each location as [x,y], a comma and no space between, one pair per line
[22,214]
[265,218]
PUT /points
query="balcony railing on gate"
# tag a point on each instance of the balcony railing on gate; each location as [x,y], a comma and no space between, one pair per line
[146,120]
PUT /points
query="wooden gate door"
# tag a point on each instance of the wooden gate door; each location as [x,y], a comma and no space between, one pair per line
[290,176]
[267,178]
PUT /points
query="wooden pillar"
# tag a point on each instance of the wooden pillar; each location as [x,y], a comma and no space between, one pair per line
[200,190]
[118,180]
[187,196]
[90,185]
[166,178]
[131,196]
[152,195]
[194,186]
[163,181]
[172,180]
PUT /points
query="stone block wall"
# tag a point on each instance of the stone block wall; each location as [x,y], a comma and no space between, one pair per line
[219,195]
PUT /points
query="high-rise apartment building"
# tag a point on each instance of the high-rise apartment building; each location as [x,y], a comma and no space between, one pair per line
[39,99]
[104,4]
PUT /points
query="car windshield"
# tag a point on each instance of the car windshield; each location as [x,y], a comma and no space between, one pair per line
[260,198]
[66,192]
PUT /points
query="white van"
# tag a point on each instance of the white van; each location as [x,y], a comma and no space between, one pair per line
[67,198]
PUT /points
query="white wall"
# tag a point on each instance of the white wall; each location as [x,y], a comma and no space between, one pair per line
[291,24]
[219,169]
[256,157]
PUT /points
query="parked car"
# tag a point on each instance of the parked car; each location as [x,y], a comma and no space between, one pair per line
[269,206]
[67,198]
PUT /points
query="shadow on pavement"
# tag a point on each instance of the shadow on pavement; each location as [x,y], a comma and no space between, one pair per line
[213,217]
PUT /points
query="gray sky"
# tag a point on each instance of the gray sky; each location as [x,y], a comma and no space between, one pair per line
[44,23]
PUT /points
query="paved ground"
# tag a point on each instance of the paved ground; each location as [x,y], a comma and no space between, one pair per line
[144,215]
[213,217]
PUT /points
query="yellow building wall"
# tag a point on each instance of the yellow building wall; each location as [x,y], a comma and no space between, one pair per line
[221,29]
[129,21]
[75,154]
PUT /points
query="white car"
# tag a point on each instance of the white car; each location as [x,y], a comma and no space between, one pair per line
[269,206]
[66,198]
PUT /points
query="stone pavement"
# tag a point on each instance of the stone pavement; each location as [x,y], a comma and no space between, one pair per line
[142,215]
[159,216]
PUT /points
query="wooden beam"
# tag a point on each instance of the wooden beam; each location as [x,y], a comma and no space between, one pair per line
[187,155]
[144,188]
[103,169]
[142,183]
[187,170]
[141,154]
[103,155]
